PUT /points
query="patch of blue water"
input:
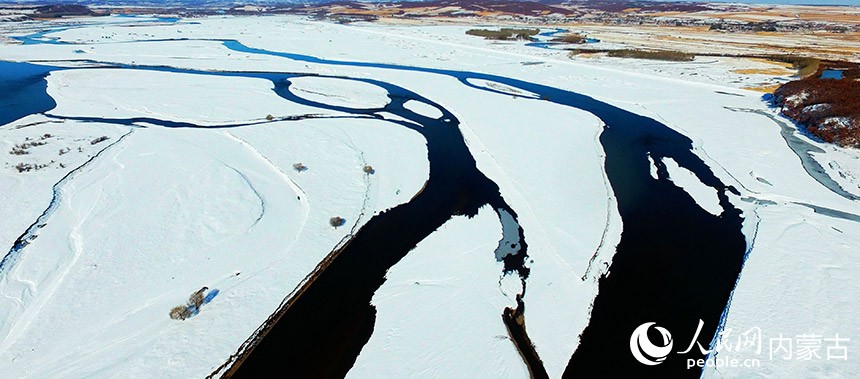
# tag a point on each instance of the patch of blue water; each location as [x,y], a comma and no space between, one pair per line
[211,295]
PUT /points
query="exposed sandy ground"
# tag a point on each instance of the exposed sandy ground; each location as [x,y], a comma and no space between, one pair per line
[754,74]
[777,13]
[697,39]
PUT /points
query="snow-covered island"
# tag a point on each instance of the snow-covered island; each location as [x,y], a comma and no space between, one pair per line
[227,195]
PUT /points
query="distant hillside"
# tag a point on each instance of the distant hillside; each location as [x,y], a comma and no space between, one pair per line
[60,10]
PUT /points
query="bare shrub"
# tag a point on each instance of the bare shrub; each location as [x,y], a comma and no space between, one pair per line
[27,167]
[192,307]
[21,148]
[196,299]
[180,312]
[18,151]
[337,221]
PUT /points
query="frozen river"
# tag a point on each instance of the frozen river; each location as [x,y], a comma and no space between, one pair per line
[334,313]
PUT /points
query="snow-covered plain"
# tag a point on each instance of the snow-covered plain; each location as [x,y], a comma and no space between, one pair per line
[165,211]
[425,291]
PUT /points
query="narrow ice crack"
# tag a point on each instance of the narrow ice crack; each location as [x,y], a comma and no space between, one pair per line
[260,197]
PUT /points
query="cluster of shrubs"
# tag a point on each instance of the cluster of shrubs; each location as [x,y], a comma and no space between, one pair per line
[570,38]
[300,167]
[18,150]
[21,148]
[504,34]
[828,108]
[27,167]
[99,140]
[660,55]
[192,307]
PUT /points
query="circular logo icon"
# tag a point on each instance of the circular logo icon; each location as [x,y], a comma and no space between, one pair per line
[644,350]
